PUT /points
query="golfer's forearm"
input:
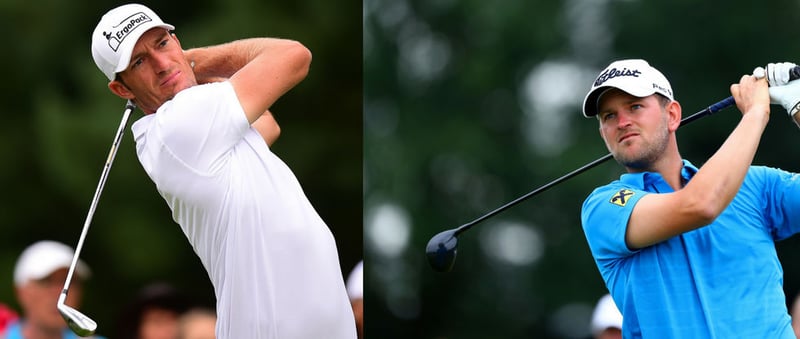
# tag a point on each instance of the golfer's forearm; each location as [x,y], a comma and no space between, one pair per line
[226,59]
[658,217]
[268,128]
[718,180]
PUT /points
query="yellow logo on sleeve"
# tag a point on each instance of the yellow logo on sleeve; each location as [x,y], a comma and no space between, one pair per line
[621,198]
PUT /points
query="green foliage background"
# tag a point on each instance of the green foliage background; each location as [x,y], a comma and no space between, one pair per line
[450,135]
[59,119]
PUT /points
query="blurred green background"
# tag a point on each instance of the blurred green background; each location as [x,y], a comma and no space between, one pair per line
[471,104]
[59,119]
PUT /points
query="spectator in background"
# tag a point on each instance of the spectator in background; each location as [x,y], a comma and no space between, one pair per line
[794,311]
[355,290]
[39,276]
[153,314]
[606,319]
[197,323]
[7,317]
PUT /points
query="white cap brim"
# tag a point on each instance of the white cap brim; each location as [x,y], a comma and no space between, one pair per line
[117,33]
[127,46]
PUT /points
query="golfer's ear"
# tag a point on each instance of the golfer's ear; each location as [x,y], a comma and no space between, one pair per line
[675,115]
[120,90]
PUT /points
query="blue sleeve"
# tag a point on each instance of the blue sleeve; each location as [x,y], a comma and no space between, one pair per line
[781,196]
[604,217]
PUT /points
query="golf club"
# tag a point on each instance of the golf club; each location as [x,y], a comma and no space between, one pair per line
[77,321]
[441,249]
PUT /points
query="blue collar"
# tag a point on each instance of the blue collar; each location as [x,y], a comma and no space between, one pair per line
[644,179]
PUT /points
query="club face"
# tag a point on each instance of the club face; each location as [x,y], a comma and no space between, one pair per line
[441,251]
[77,321]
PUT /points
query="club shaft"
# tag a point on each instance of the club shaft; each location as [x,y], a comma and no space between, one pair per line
[722,104]
[129,107]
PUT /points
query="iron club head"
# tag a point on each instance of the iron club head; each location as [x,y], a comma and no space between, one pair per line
[78,322]
[441,251]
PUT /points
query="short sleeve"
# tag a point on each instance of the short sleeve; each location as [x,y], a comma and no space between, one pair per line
[201,125]
[604,217]
[779,192]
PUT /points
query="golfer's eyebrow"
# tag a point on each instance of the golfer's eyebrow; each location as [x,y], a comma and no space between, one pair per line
[628,102]
[156,40]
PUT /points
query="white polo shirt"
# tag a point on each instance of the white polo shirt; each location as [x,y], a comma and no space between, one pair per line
[272,260]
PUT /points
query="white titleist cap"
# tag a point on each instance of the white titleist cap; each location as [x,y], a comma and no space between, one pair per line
[634,76]
[117,33]
[355,282]
[42,259]
[606,315]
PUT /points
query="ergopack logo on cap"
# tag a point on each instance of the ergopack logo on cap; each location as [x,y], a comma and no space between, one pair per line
[613,73]
[128,25]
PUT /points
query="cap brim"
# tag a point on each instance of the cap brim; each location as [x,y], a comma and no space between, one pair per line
[590,102]
[127,47]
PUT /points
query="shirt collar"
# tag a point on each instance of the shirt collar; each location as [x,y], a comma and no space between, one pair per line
[641,180]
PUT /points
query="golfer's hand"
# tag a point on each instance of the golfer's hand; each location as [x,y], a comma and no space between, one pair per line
[751,94]
[778,73]
[787,96]
[201,77]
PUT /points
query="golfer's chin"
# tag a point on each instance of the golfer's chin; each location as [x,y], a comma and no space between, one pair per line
[630,161]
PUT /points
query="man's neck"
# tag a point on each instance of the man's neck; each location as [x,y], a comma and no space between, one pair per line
[670,169]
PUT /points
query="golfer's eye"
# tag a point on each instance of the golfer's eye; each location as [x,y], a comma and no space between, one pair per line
[136,62]
[608,116]
[163,43]
[636,106]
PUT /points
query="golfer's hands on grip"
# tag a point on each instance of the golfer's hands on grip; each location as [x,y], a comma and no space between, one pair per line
[751,94]
[189,55]
[782,90]
[777,73]
[787,96]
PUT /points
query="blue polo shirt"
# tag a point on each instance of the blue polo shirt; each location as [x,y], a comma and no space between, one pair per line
[722,280]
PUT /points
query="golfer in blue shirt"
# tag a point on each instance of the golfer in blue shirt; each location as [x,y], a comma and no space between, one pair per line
[687,251]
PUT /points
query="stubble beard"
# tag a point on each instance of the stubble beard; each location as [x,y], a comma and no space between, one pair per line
[649,151]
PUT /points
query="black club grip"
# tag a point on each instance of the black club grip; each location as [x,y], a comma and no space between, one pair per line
[794,73]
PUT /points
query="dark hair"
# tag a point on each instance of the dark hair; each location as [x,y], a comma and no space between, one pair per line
[118,77]
[158,295]
[663,100]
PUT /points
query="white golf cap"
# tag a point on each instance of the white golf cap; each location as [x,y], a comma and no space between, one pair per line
[117,33]
[606,315]
[355,282]
[43,258]
[634,76]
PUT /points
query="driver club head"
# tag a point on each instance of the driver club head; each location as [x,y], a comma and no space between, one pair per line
[77,321]
[441,251]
